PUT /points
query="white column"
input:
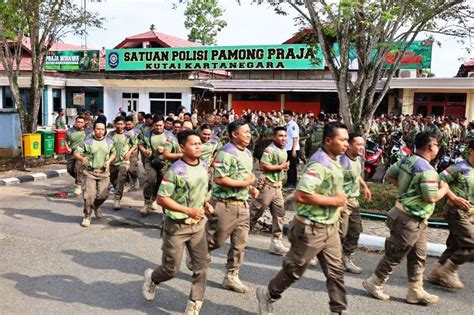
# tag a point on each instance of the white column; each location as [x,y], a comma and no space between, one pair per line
[408,100]
[1,96]
[470,106]
[63,98]
[49,114]
[229,101]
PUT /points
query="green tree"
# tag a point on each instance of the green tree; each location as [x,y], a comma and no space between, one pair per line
[33,26]
[203,20]
[370,29]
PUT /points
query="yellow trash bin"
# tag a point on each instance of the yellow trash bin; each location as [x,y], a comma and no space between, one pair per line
[31,144]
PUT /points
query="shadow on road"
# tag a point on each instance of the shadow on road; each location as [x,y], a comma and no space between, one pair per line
[43,214]
[120,261]
[109,296]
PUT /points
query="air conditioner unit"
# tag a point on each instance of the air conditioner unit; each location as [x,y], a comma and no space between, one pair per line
[407,73]
[470,74]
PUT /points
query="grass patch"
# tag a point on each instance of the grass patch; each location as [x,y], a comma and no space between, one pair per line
[384,197]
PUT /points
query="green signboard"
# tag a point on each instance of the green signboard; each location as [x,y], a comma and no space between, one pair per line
[417,56]
[73,60]
[285,57]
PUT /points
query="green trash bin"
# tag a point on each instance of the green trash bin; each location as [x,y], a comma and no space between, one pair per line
[47,142]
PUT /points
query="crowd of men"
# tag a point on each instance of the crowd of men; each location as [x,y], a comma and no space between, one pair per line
[200,170]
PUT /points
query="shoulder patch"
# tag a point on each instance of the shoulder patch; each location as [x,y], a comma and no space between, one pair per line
[421,165]
[179,168]
[322,158]
[229,148]
[109,140]
[89,141]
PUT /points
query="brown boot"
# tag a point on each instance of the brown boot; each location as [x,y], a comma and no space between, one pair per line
[232,282]
[417,294]
[446,275]
[374,285]
[193,307]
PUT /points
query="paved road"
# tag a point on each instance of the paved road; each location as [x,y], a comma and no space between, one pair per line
[49,264]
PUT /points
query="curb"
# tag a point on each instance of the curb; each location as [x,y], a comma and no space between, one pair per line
[378,242]
[32,178]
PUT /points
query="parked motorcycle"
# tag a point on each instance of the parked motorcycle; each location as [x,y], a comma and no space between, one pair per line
[397,149]
[373,156]
[451,157]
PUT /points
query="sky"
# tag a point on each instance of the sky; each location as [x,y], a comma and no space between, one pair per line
[247,24]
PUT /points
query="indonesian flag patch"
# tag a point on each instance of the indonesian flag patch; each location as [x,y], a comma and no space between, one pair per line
[217,163]
[166,181]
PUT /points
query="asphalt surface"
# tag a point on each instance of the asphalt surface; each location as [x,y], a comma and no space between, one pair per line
[50,264]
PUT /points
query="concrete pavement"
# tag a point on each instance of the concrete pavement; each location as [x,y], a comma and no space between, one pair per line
[49,264]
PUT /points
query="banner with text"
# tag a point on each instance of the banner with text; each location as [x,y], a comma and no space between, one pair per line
[72,60]
[271,57]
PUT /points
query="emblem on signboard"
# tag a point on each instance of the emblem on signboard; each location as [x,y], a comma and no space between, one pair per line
[113,60]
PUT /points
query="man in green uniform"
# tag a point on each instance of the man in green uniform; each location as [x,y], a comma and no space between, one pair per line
[233,180]
[210,144]
[124,147]
[134,132]
[431,127]
[145,129]
[60,122]
[350,222]
[316,137]
[460,242]
[273,164]
[96,153]
[314,230]
[260,144]
[419,189]
[74,137]
[183,193]
[151,146]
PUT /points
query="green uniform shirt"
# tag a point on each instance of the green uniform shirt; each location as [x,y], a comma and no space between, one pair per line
[322,175]
[96,151]
[187,185]
[352,170]
[171,144]
[236,164]
[144,129]
[75,137]
[273,155]
[208,148]
[433,128]
[417,180]
[412,133]
[60,123]
[134,133]
[460,178]
[317,135]
[152,141]
[123,142]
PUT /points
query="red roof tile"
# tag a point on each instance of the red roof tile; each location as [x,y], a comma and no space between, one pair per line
[160,38]
[469,63]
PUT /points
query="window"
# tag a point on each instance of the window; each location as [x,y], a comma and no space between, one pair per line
[457,98]
[157,95]
[165,103]
[8,100]
[438,98]
[130,102]
[440,104]
[56,99]
[422,97]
